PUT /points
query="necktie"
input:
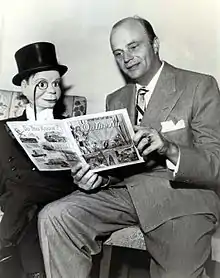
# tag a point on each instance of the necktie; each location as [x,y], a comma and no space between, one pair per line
[141,104]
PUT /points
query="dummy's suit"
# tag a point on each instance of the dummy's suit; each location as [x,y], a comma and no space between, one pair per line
[23,191]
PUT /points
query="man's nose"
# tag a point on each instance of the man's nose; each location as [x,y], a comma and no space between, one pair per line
[127,56]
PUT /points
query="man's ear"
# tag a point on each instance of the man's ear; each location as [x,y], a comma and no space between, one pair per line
[156,45]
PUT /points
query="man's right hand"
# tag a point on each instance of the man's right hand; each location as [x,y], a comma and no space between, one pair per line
[84,178]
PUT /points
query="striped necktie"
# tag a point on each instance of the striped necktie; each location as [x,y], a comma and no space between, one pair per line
[141,104]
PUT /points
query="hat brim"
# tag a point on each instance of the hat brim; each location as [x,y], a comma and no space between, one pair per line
[16,80]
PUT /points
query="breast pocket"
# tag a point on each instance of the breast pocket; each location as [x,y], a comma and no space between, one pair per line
[181,136]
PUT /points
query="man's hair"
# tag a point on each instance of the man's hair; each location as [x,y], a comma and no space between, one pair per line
[146,24]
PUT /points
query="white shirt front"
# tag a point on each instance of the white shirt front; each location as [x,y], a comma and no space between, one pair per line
[151,85]
[44,115]
[150,88]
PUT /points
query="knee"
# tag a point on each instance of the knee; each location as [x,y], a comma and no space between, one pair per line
[48,218]
[50,211]
[59,218]
[68,213]
[59,211]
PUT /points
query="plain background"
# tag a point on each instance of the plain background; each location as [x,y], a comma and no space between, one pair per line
[187,29]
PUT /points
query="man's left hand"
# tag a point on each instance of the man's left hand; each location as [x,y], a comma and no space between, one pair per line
[148,140]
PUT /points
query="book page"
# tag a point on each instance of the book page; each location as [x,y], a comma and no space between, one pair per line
[105,139]
[48,144]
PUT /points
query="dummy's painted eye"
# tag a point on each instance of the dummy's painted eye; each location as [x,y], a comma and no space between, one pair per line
[43,85]
[56,84]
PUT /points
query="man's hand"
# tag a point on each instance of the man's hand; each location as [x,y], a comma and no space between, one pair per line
[148,140]
[84,178]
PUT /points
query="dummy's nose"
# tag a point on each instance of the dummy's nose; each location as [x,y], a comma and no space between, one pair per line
[51,89]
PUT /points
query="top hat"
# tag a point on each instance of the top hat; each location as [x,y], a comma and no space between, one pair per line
[35,57]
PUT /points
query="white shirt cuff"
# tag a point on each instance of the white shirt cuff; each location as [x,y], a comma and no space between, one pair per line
[174,168]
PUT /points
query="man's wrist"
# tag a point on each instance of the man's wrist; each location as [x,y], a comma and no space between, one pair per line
[172,152]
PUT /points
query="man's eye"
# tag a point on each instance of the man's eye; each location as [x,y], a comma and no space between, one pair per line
[118,54]
[134,46]
[43,85]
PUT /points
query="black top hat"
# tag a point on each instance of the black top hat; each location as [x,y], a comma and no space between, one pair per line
[35,57]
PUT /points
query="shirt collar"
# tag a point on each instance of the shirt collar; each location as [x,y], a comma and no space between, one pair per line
[152,84]
[44,115]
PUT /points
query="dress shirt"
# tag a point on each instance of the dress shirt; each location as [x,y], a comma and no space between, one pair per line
[151,85]
[44,115]
[150,88]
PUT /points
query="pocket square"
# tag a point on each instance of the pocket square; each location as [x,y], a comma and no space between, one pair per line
[170,126]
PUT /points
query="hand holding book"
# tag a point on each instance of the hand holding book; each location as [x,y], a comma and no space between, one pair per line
[86,179]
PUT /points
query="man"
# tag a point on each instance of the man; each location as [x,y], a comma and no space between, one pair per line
[172,195]
[24,189]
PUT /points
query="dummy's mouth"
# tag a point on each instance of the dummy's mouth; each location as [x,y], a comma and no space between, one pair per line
[50,100]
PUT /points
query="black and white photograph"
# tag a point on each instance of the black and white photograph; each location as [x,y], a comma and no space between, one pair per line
[100,197]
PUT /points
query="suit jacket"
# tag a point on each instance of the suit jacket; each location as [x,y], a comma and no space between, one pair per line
[157,195]
[18,173]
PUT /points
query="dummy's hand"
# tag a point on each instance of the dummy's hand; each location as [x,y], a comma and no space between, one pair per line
[148,140]
[84,178]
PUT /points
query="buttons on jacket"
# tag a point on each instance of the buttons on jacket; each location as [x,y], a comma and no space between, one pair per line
[18,177]
[14,169]
[10,159]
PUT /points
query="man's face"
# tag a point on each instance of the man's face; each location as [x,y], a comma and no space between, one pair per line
[133,51]
[48,90]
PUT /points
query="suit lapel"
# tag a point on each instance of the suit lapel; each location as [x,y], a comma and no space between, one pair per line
[163,99]
[128,100]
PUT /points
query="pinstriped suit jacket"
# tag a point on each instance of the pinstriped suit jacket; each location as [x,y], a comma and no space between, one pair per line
[156,194]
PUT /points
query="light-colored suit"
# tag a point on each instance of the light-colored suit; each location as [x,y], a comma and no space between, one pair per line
[194,98]
[70,229]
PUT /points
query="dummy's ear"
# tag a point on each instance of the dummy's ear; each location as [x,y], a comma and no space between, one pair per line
[23,83]
[156,45]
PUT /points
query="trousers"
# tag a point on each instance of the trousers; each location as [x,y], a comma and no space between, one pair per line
[18,203]
[19,223]
[71,231]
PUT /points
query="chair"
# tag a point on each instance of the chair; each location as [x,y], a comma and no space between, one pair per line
[12,104]
[132,237]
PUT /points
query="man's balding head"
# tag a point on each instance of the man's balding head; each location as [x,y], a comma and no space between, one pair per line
[135,47]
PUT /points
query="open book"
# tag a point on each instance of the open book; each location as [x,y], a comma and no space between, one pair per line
[103,140]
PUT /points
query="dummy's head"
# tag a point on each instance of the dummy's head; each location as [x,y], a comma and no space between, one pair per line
[39,74]
[42,88]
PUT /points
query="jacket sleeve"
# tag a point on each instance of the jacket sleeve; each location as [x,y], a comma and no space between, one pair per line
[200,164]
